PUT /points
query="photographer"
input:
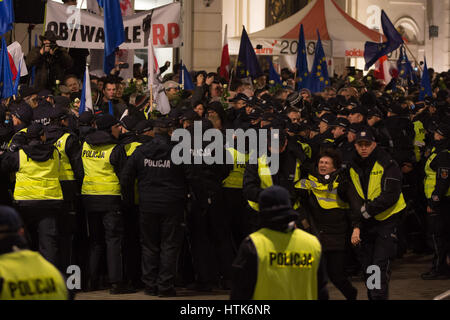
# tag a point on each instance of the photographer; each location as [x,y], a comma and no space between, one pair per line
[50,60]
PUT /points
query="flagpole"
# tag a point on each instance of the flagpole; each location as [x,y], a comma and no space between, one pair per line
[420,68]
[73,30]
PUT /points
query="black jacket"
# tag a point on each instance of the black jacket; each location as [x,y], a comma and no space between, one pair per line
[245,267]
[383,137]
[39,152]
[42,113]
[402,134]
[331,226]
[391,181]
[117,160]
[440,164]
[162,185]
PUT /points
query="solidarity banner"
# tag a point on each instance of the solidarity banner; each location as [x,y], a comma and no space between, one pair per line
[88,31]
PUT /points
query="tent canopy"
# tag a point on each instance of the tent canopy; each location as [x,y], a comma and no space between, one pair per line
[342,35]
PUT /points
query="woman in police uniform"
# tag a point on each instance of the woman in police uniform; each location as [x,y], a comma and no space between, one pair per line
[324,196]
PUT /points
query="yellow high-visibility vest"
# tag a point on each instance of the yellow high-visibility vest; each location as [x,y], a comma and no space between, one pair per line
[99,176]
[131,147]
[374,190]
[28,276]
[65,171]
[327,199]
[266,179]
[25,130]
[235,179]
[430,177]
[419,139]
[38,180]
[287,265]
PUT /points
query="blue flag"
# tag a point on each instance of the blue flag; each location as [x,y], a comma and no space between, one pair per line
[374,51]
[302,62]
[6,77]
[319,79]
[110,108]
[185,78]
[33,70]
[405,69]
[425,85]
[273,74]
[6,16]
[114,31]
[247,65]
[16,82]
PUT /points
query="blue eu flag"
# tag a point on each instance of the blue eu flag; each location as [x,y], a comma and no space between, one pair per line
[6,77]
[273,74]
[6,16]
[114,31]
[405,69]
[185,78]
[425,85]
[319,79]
[302,62]
[247,65]
[374,51]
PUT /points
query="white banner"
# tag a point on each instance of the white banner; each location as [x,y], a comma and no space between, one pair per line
[89,32]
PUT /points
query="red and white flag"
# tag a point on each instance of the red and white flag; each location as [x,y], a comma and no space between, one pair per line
[153,68]
[225,64]
[382,70]
[16,58]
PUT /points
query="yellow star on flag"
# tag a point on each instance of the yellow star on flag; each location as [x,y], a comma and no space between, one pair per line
[319,68]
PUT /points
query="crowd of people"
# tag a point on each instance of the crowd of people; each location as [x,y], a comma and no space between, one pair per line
[365,164]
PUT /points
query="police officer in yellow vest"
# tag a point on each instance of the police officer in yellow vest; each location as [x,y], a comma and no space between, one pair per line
[279,261]
[70,174]
[103,159]
[258,177]
[25,274]
[377,179]
[437,192]
[37,192]
[22,115]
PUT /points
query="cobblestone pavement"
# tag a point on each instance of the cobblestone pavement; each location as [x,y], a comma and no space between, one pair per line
[405,284]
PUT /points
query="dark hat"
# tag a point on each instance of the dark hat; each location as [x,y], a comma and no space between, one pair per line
[328,118]
[23,112]
[50,36]
[106,121]
[375,112]
[341,122]
[253,101]
[144,126]
[129,122]
[86,118]
[35,131]
[26,91]
[444,130]
[238,97]
[190,115]
[355,127]
[294,98]
[45,93]
[365,135]
[9,220]
[62,102]
[161,123]
[59,113]
[397,109]
[276,201]
[359,109]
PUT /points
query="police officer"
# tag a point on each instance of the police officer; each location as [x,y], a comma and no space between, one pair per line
[382,135]
[325,195]
[279,261]
[37,191]
[437,192]
[21,115]
[25,274]
[162,188]
[144,130]
[86,125]
[71,173]
[377,179]
[103,159]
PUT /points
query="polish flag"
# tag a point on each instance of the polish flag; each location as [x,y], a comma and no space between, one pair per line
[16,58]
[383,70]
[225,64]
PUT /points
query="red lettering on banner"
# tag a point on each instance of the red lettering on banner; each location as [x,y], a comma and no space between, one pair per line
[173,32]
[264,51]
[158,34]
[354,53]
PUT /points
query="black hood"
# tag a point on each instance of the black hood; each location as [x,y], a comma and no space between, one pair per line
[100,137]
[53,133]
[159,148]
[40,152]
[282,221]
[144,139]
